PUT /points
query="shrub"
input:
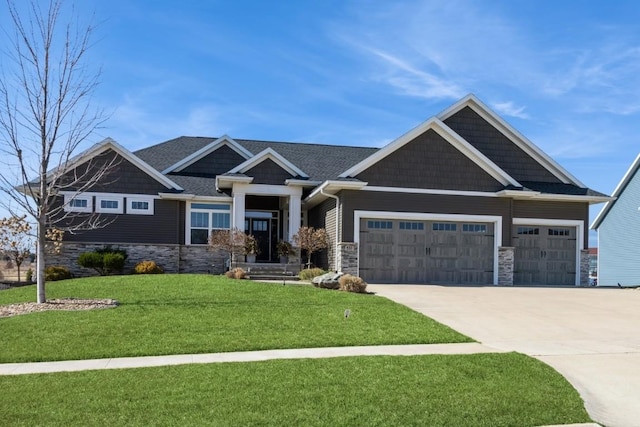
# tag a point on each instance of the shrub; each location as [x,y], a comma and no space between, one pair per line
[56,272]
[147,267]
[112,262]
[236,273]
[92,260]
[310,273]
[29,275]
[351,283]
[105,261]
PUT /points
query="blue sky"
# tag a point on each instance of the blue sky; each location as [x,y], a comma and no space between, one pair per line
[565,73]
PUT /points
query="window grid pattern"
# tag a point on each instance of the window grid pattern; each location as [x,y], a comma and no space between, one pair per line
[406,225]
[474,228]
[444,226]
[380,225]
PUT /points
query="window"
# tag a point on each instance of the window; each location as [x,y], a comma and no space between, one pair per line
[559,232]
[206,217]
[109,204]
[528,230]
[474,228]
[78,203]
[411,226]
[444,226]
[139,206]
[380,225]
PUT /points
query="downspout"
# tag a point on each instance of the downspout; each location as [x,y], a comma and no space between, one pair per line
[335,249]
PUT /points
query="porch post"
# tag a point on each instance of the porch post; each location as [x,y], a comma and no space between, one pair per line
[238,210]
[294,213]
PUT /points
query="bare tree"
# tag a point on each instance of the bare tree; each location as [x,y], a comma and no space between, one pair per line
[232,242]
[311,240]
[45,116]
[15,240]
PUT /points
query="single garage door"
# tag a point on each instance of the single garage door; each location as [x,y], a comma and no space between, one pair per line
[544,255]
[439,252]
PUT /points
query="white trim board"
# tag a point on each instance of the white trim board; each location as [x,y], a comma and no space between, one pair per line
[271,154]
[206,150]
[450,136]
[417,216]
[513,135]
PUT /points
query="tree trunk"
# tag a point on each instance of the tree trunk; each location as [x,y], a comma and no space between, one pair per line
[40,262]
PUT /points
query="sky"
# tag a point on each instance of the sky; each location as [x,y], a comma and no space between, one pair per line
[565,73]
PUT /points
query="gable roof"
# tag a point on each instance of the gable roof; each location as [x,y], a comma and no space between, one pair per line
[450,136]
[624,182]
[513,135]
[269,154]
[109,144]
[205,151]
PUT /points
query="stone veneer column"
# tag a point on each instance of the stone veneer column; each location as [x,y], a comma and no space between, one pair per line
[584,267]
[348,258]
[505,265]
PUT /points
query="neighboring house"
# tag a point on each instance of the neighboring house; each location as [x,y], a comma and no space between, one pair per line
[462,198]
[618,225]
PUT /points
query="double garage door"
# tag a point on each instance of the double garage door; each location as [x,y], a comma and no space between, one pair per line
[439,252]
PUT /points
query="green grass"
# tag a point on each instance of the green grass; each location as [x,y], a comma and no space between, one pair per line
[471,390]
[178,314]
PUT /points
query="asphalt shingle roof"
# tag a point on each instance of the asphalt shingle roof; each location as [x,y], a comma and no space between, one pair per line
[320,162]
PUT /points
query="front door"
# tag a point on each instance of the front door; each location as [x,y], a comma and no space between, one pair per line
[263,225]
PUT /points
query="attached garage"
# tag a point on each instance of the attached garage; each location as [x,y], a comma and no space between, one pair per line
[545,254]
[438,250]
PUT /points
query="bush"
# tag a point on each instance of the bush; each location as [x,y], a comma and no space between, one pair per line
[236,273]
[105,261]
[56,272]
[351,283]
[310,273]
[92,260]
[112,262]
[147,267]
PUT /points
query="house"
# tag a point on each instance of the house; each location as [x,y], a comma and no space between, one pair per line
[463,198]
[618,225]
[593,266]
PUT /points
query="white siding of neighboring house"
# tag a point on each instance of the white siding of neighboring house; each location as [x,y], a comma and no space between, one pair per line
[619,239]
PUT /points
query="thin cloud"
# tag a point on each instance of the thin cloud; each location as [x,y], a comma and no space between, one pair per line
[508,108]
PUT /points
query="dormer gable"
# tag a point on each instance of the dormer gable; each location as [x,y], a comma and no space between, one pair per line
[230,151]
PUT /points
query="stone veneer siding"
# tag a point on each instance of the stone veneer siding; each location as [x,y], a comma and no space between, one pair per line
[171,258]
[584,267]
[505,265]
[348,258]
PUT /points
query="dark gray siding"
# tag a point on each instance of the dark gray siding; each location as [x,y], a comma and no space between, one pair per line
[165,226]
[269,203]
[324,216]
[216,163]
[554,210]
[429,162]
[497,147]
[122,177]
[268,172]
[423,203]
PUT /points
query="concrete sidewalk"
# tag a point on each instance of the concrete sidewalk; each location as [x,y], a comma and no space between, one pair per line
[242,356]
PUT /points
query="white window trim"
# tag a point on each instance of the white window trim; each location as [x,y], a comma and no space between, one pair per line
[118,210]
[187,234]
[78,196]
[132,211]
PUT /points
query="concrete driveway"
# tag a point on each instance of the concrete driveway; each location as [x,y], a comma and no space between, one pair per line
[590,335]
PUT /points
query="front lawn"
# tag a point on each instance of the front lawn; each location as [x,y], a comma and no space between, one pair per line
[179,314]
[471,390]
